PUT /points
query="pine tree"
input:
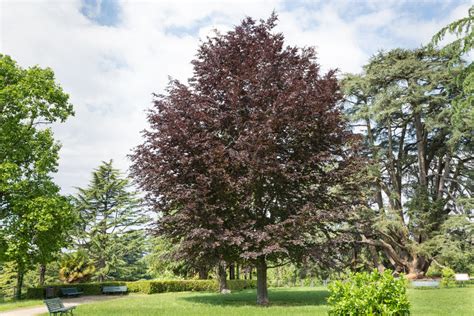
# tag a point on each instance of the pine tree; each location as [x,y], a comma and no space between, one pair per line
[111,223]
[403,104]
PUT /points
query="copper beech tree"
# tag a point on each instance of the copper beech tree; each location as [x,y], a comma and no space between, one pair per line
[251,158]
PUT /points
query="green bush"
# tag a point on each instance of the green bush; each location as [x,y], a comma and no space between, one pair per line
[148,287]
[433,272]
[448,279]
[369,294]
[239,285]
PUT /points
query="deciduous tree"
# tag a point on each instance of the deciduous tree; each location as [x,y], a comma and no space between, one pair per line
[252,156]
[34,218]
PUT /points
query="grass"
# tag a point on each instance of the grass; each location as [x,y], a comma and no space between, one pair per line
[284,301]
[9,305]
[455,301]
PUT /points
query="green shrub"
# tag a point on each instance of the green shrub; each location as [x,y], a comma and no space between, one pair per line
[448,279]
[239,285]
[369,294]
[148,287]
[433,272]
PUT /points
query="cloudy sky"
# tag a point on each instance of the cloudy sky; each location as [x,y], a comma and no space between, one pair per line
[111,55]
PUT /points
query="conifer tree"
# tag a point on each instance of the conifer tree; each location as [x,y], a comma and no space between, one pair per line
[111,223]
[421,170]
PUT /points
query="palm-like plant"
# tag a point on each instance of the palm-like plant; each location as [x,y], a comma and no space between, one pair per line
[76,267]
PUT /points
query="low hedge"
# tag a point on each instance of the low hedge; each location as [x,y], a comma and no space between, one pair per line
[146,287]
[150,287]
[86,288]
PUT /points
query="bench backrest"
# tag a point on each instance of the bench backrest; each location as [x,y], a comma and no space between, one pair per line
[69,290]
[53,304]
[461,277]
[431,283]
[114,289]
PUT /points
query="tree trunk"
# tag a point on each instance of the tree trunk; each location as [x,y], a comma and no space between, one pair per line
[231,271]
[418,267]
[222,277]
[100,278]
[420,144]
[237,271]
[394,176]
[203,273]
[447,161]
[378,193]
[375,258]
[42,273]
[262,290]
[19,283]
[354,257]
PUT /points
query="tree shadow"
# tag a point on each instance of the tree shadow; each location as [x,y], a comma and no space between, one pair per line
[278,297]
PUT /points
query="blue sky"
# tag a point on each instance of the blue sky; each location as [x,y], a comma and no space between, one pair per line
[111,55]
[102,12]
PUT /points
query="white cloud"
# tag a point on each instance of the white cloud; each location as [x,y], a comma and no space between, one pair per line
[409,28]
[111,72]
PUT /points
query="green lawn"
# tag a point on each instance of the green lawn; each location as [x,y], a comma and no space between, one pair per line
[285,301]
[9,305]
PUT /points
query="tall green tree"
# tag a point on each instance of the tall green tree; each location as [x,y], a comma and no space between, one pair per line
[421,170]
[462,119]
[111,223]
[34,217]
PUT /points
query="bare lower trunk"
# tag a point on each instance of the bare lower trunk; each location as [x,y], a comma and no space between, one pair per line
[237,271]
[203,273]
[42,273]
[417,268]
[420,144]
[222,277]
[100,278]
[401,258]
[231,271]
[375,259]
[19,283]
[262,290]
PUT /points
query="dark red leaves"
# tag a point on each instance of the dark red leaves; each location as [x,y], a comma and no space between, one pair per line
[251,157]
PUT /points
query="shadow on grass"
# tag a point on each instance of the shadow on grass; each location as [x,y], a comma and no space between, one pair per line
[277,297]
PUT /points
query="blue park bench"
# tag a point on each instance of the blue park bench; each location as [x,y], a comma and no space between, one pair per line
[425,283]
[70,292]
[55,306]
[114,289]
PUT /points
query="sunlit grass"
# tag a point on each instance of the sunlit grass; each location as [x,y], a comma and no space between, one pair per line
[284,301]
[9,305]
